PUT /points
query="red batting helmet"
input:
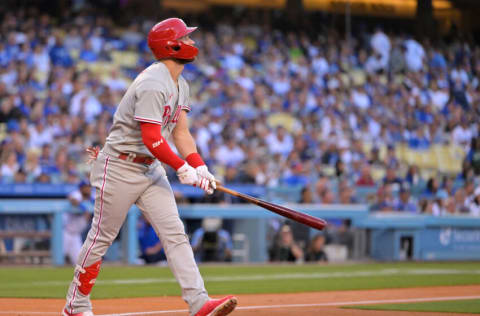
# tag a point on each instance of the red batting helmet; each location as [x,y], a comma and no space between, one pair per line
[163,40]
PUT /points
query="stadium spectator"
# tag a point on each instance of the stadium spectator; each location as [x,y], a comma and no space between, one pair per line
[343,235]
[230,154]
[474,205]
[412,176]
[315,251]
[432,187]
[365,178]
[285,248]
[60,83]
[383,200]
[280,142]
[150,246]
[414,55]
[9,164]
[320,186]
[440,203]
[391,177]
[306,196]
[75,223]
[405,202]
[473,156]
[347,195]
[211,243]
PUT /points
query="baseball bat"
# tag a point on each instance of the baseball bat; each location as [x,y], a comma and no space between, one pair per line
[297,216]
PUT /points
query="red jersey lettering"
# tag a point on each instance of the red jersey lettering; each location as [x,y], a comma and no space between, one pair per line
[177,114]
[166,115]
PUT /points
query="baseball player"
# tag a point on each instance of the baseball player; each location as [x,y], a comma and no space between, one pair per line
[127,170]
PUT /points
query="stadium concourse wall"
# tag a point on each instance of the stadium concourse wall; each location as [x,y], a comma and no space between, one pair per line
[381,236]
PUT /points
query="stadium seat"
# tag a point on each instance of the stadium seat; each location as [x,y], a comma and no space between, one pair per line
[336,253]
[125,58]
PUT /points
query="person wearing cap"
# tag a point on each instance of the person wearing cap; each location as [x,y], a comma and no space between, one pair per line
[439,203]
[212,243]
[75,222]
[405,203]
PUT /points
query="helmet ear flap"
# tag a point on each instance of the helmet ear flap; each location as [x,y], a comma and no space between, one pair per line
[174,46]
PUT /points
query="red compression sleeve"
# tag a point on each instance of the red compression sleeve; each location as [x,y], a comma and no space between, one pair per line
[194,160]
[158,146]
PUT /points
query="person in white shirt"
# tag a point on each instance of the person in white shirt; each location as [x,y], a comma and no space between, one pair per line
[381,45]
[40,134]
[474,205]
[9,165]
[230,154]
[85,105]
[280,142]
[115,82]
[414,55]
[360,98]
[461,134]
[438,96]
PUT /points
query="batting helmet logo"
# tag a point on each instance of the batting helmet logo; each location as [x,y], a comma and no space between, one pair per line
[163,40]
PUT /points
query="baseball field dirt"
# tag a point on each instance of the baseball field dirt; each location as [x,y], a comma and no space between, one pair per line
[305,304]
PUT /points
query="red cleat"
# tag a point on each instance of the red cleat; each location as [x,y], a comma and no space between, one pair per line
[87,313]
[220,307]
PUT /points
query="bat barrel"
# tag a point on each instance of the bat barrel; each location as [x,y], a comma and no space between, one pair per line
[303,218]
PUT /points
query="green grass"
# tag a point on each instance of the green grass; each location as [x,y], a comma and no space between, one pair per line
[461,306]
[142,281]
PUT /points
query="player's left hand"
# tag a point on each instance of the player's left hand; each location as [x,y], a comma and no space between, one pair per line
[92,153]
[207,180]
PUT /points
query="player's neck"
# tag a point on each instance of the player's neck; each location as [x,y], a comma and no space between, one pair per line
[174,68]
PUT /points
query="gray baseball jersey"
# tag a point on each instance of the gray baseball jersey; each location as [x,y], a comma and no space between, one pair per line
[153,97]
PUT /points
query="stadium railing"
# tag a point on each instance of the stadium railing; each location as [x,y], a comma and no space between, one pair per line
[385,236]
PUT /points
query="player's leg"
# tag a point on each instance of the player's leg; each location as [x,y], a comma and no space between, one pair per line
[159,206]
[118,185]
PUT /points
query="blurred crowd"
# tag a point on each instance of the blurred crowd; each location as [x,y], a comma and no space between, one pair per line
[269,108]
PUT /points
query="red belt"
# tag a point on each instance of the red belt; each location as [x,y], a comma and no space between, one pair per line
[146,160]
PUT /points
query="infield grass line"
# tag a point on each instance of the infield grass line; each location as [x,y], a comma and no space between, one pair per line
[263,277]
[387,301]
[117,281]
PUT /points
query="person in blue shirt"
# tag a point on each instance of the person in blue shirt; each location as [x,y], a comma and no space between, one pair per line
[405,203]
[150,246]
[59,55]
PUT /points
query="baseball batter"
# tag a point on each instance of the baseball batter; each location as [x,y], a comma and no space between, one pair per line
[128,171]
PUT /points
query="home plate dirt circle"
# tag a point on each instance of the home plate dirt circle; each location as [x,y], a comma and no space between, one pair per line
[306,304]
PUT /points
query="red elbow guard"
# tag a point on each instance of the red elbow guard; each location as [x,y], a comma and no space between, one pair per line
[158,146]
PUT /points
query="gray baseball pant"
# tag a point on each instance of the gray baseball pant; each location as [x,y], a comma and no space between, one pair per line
[119,184]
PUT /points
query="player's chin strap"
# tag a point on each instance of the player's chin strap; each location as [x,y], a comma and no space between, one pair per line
[85,277]
[93,153]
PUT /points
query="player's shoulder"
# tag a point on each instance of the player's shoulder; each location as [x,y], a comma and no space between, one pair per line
[183,83]
[153,78]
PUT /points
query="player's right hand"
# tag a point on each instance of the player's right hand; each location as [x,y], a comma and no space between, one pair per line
[207,180]
[187,175]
